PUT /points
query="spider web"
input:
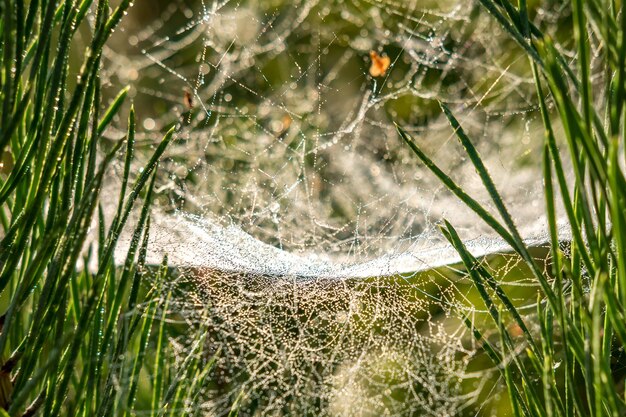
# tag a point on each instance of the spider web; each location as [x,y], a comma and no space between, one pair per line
[305,228]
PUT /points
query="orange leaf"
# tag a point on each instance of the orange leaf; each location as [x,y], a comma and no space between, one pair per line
[379,65]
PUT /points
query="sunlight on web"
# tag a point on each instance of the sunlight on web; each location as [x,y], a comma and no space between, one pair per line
[299,216]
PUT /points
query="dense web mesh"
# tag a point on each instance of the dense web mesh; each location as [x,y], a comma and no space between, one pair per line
[301,224]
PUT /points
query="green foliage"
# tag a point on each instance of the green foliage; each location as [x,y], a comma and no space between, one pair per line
[580,314]
[77,331]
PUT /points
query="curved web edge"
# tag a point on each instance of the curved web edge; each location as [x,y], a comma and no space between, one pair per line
[198,242]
